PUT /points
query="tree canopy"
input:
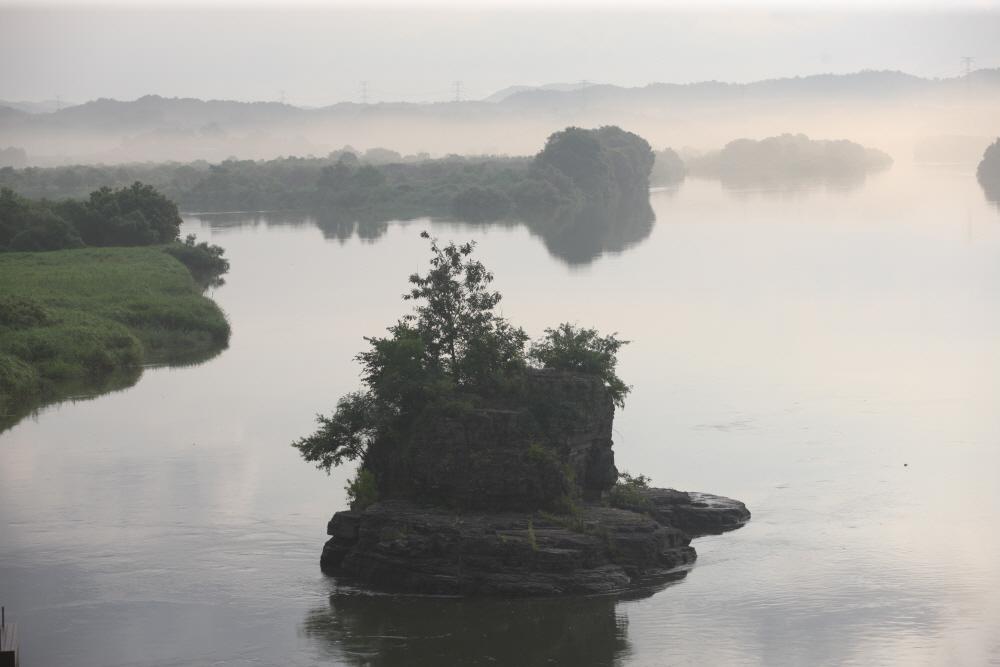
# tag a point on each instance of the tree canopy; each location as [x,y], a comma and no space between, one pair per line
[988,171]
[129,216]
[453,351]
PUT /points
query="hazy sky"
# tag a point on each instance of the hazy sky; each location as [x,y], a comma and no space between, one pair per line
[405,52]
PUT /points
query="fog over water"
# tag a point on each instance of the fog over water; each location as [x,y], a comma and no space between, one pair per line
[442,80]
[815,335]
[828,356]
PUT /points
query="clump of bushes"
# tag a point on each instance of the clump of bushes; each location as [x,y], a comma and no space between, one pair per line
[136,215]
[204,261]
[571,348]
[453,352]
[128,216]
[668,169]
[627,493]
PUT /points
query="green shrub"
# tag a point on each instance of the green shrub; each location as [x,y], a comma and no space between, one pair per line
[582,350]
[41,229]
[627,493]
[453,353]
[362,491]
[204,261]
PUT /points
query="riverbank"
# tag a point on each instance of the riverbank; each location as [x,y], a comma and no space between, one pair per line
[92,317]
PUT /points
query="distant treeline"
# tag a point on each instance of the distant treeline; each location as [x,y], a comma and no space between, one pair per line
[668,169]
[135,215]
[128,216]
[788,157]
[578,169]
[382,184]
[988,172]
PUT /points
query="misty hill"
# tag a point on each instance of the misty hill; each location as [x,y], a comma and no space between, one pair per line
[893,109]
[155,112]
[788,158]
[10,113]
[866,84]
[45,106]
[505,93]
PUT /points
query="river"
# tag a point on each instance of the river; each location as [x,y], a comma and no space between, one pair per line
[829,356]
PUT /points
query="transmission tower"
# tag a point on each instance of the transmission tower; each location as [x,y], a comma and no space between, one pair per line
[967,64]
[458,91]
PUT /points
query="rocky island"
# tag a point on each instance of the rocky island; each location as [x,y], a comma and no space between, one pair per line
[500,502]
[486,463]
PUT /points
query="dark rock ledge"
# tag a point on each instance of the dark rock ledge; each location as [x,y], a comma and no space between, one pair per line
[400,546]
[518,500]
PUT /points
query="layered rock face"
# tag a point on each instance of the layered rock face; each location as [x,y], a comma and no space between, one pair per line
[514,502]
[400,546]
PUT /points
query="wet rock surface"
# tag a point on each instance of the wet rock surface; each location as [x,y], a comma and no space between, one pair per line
[398,545]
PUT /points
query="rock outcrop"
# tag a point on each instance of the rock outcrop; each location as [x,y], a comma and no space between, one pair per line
[401,546]
[513,500]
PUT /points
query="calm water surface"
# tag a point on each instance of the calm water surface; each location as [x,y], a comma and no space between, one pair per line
[832,358]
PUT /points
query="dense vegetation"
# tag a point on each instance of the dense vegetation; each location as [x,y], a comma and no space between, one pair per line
[988,171]
[135,215]
[577,167]
[452,353]
[86,316]
[788,157]
[668,169]
[73,315]
[128,216]
[585,192]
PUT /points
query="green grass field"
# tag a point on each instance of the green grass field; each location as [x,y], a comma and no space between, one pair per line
[73,317]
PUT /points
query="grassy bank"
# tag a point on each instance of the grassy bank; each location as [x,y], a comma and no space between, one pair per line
[74,318]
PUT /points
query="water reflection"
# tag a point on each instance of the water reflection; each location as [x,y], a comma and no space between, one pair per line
[88,388]
[789,185]
[382,630]
[67,390]
[576,238]
[583,237]
[791,354]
